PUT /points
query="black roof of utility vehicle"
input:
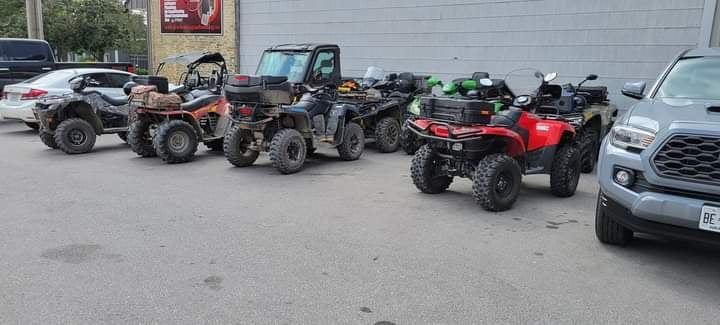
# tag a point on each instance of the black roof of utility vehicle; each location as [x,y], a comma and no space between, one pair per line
[300,47]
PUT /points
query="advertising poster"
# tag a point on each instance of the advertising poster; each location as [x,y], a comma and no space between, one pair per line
[191,17]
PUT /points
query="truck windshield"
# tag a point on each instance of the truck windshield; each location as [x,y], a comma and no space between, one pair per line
[693,78]
[23,51]
[286,64]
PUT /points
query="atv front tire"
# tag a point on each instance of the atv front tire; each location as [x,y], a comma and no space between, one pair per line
[288,151]
[424,172]
[565,174]
[48,139]
[140,138]
[387,134]
[176,142]
[608,230]
[497,181]
[353,143]
[589,144]
[409,141]
[75,136]
[236,148]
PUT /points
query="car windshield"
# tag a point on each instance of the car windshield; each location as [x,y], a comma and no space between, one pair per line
[693,78]
[51,77]
[287,64]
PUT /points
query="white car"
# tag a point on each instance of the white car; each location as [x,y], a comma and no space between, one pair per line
[19,99]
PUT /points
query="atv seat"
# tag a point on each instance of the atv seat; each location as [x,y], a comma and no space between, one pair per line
[198,103]
[115,101]
[507,118]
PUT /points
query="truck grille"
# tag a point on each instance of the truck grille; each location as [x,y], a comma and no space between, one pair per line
[692,158]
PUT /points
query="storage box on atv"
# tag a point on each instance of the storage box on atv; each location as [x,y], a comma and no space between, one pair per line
[594,95]
[149,97]
[457,110]
[160,82]
[268,90]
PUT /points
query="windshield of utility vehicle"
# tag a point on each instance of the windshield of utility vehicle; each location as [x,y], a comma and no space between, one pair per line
[693,78]
[287,64]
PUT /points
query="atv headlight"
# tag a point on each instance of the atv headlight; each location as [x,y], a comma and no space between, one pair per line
[628,137]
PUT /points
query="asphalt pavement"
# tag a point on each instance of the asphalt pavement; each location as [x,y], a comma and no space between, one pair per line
[110,238]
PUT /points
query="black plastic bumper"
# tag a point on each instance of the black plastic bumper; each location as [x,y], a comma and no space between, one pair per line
[623,216]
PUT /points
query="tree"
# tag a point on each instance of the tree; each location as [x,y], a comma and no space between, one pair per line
[13,22]
[83,26]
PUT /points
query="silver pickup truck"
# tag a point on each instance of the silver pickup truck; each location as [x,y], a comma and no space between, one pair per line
[659,168]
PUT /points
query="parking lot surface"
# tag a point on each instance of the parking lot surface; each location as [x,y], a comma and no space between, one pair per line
[109,238]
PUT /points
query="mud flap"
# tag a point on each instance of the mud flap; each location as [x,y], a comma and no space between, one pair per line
[318,125]
[223,125]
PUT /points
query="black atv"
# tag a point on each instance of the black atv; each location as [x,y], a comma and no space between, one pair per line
[382,105]
[265,120]
[590,110]
[71,122]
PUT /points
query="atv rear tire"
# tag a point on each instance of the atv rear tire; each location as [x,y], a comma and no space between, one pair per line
[140,138]
[288,151]
[608,230]
[33,125]
[123,136]
[215,145]
[387,135]
[48,139]
[353,143]
[589,144]
[497,181]
[409,141]
[236,148]
[75,136]
[176,142]
[424,172]
[565,174]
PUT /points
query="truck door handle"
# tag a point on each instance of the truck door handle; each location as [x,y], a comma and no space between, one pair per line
[46,69]
[4,69]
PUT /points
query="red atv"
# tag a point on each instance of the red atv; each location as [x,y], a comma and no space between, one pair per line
[467,138]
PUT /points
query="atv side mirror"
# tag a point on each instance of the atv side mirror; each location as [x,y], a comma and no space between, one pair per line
[485,82]
[550,77]
[592,77]
[635,90]
[77,84]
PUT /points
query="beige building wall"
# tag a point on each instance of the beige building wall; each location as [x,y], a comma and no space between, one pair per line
[164,45]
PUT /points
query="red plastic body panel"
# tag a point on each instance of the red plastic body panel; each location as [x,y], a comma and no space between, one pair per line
[542,132]
[459,132]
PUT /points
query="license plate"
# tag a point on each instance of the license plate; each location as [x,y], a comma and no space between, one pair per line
[710,218]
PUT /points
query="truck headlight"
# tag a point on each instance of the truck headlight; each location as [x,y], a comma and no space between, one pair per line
[628,137]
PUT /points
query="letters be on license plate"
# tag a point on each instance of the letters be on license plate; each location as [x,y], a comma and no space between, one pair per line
[710,218]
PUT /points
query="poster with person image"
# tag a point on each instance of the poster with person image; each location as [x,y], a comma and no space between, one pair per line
[191,17]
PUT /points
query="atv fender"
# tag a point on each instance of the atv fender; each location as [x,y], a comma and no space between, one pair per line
[545,141]
[515,146]
[82,110]
[339,115]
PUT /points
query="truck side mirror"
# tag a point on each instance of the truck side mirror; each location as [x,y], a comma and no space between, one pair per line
[592,77]
[77,84]
[635,90]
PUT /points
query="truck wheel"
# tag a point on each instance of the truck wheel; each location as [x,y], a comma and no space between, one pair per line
[123,136]
[353,143]
[608,230]
[409,140]
[497,181]
[589,146]
[288,151]
[236,148]
[176,141]
[387,134]
[565,174]
[32,125]
[48,139]
[215,145]
[424,172]
[140,138]
[75,136]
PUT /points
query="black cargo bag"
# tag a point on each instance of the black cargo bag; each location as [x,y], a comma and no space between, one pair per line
[269,90]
